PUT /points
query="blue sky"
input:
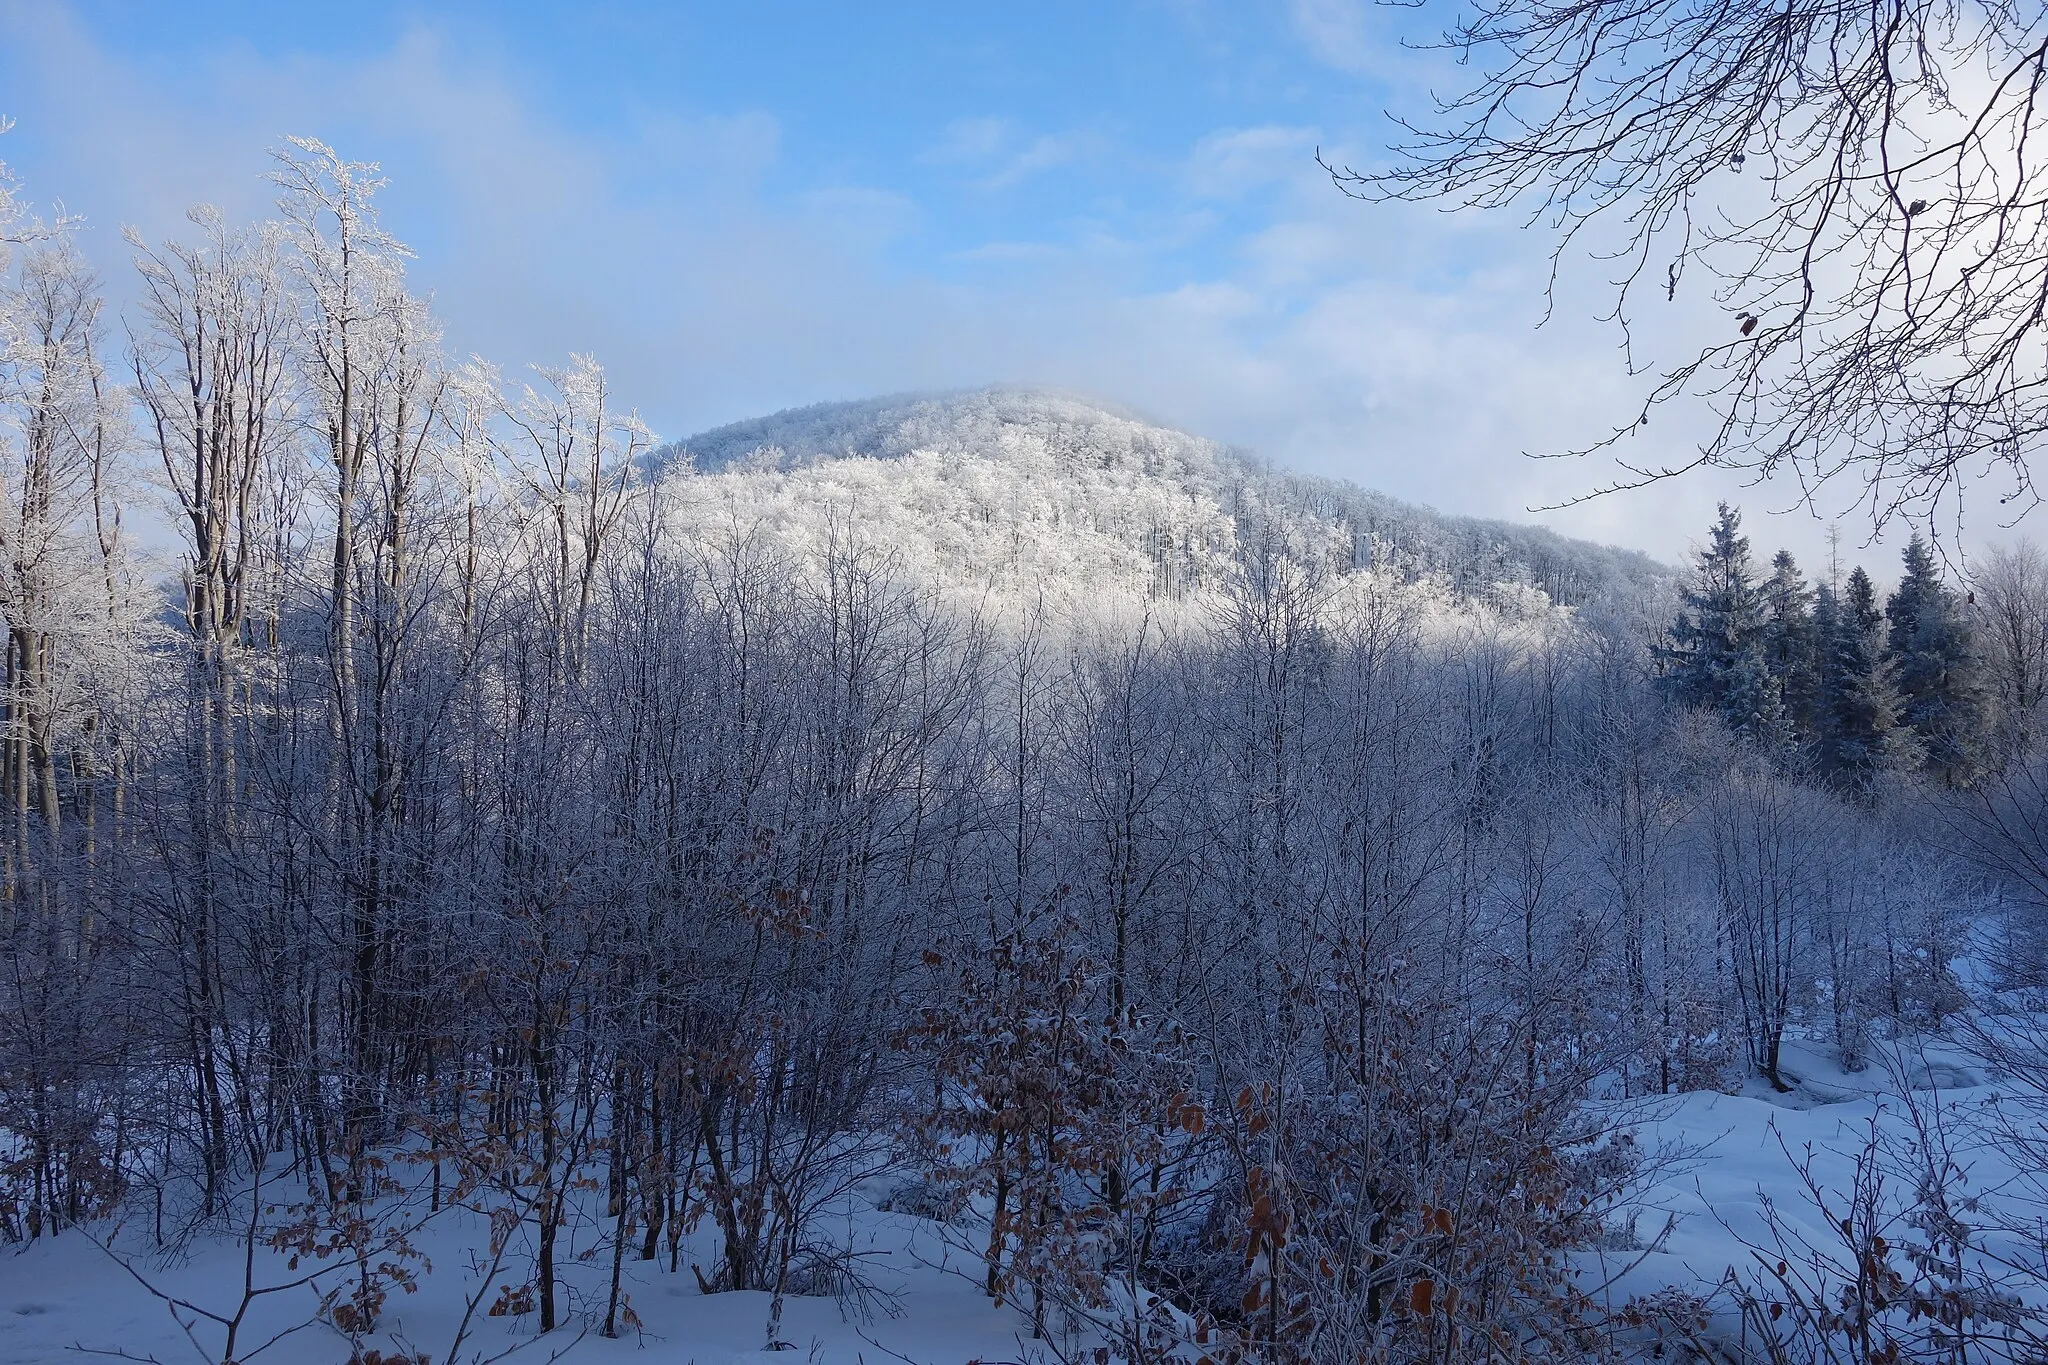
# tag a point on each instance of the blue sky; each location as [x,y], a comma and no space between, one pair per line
[742,207]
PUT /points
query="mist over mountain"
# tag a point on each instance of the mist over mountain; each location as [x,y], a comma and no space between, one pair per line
[1037,488]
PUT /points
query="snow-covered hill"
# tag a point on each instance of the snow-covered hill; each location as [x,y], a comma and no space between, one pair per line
[1007,488]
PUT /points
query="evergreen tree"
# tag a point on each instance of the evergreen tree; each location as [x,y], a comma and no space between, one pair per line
[1929,642]
[1792,645]
[1857,703]
[1919,586]
[1717,658]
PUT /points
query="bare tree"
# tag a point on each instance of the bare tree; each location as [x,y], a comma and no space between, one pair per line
[1765,839]
[1857,190]
[577,455]
[210,359]
[64,609]
[2009,592]
[18,226]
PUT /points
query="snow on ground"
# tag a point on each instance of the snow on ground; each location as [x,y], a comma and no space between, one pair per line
[1717,1159]
[64,1296]
[1731,1162]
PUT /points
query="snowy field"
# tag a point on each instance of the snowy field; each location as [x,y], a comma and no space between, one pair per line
[1730,1172]
[65,1299]
[1723,1184]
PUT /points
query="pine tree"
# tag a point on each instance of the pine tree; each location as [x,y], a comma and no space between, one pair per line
[1717,658]
[1929,642]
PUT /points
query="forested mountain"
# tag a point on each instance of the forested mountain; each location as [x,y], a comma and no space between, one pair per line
[1021,486]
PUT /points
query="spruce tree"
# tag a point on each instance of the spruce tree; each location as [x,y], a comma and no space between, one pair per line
[1918,586]
[1929,641]
[1791,644]
[1717,658]
[1857,702]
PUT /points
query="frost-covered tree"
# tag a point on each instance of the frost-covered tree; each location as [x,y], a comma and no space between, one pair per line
[67,740]
[578,457]
[1858,735]
[1766,843]
[1719,654]
[1932,648]
[2009,609]
[211,355]
[1791,644]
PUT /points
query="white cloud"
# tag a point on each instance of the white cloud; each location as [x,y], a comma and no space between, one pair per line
[1397,47]
[1012,252]
[1230,162]
[1335,31]
[1003,153]
[971,139]
[872,217]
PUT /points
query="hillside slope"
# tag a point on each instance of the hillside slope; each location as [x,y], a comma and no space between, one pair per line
[1017,486]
